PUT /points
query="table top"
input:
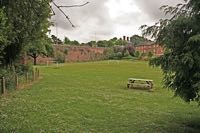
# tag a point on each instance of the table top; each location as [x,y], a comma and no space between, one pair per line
[135,79]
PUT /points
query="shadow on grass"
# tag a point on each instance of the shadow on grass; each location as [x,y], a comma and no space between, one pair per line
[194,125]
[137,89]
[190,126]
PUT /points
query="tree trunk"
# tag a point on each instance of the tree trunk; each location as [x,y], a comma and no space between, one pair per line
[35,60]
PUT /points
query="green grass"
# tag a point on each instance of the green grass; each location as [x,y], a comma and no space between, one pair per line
[92,97]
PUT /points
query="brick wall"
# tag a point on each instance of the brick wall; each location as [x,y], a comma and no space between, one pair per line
[154,48]
[75,54]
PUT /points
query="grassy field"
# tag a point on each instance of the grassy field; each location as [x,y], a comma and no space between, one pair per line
[92,97]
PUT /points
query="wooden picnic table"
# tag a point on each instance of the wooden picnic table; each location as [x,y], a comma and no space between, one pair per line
[140,83]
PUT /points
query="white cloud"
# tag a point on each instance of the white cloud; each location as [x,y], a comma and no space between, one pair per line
[104,19]
[121,7]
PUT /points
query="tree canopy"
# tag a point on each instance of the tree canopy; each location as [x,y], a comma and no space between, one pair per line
[40,46]
[136,39]
[180,37]
[26,20]
[56,40]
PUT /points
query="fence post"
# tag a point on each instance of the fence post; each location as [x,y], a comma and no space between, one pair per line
[33,75]
[38,73]
[17,81]
[3,85]
[27,77]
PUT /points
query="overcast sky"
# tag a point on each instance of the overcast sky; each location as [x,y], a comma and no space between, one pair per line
[105,19]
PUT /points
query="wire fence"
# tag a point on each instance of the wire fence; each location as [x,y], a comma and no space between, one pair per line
[18,81]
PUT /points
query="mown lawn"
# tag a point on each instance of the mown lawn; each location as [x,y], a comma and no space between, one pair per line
[92,97]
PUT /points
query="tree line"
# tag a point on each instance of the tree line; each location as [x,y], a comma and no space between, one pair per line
[134,40]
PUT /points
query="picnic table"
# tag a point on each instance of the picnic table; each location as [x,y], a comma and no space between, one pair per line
[140,83]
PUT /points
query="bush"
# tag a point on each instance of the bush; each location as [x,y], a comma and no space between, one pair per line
[150,54]
[10,73]
[137,54]
[60,57]
[108,53]
[66,51]
[21,69]
[9,76]
[126,53]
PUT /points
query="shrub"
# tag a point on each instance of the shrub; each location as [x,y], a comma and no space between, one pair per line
[150,54]
[137,54]
[66,51]
[60,57]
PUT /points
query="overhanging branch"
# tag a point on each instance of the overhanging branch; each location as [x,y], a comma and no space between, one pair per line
[75,5]
[70,6]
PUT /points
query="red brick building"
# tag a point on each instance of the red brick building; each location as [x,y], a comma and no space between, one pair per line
[150,47]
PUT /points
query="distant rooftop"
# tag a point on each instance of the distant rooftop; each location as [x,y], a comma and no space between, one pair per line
[146,43]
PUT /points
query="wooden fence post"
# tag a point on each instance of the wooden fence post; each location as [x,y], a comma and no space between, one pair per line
[27,77]
[16,81]
[3,85]
[38,73]
[33,75]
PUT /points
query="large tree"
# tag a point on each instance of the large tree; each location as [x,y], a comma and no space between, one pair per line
[136,39]
[56,40]
[40,46]
[26,19]
[3,32]
[180,37]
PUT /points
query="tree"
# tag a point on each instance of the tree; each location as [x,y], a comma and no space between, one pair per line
[102,43]
[91,43]
[75,43]
[42,46]
[150,54]
[180,37]
[67,40]
[26,19]
[130,49]
[3,32]
[135,39]
[56,40]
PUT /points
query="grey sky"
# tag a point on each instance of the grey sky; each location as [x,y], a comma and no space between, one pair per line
[104,19]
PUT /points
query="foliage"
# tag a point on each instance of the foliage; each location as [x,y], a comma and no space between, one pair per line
[10,73]
[137,54]
[59,57]
[91,43]
[136,39]
[90,97]
[67,40]
[26,20]
[66,51]
[9,76]
[108,43]
[40,46]
[102,43]
[75,43]
[130,49]
[180,38]
[22,69]
[3,32]
[150,54]
[108,53]
[56,40]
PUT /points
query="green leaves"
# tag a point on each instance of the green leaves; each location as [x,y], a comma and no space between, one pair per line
[27,20]
[180,36]
[3,31]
